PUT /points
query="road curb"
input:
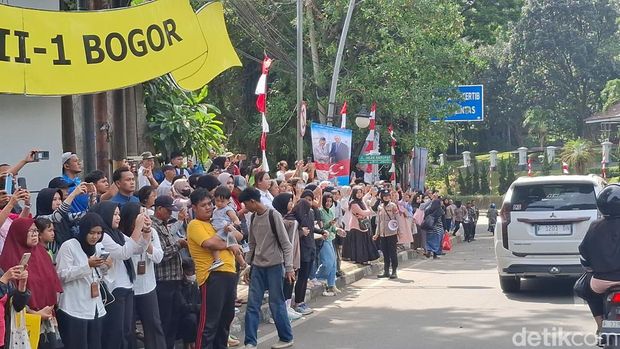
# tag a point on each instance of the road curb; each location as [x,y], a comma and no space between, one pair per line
[351,276]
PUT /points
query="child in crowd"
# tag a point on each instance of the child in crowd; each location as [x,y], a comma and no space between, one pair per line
[46,234]
[224,221]
[189,304]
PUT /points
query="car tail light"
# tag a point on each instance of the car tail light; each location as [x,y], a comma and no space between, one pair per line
[505,215]
[615,298]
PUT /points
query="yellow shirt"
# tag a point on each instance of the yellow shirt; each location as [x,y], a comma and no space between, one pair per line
[197,233]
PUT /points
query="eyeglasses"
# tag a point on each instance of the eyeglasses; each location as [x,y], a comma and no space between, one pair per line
[33,232]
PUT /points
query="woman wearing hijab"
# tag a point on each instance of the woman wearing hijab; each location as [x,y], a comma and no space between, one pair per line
[44,285]
[10,296]
[81,309]
[118,324]
[145,296]
[50,205]
[327,256]
[434,235]
[361,248]
[304,215]
[283,203]
[388,238]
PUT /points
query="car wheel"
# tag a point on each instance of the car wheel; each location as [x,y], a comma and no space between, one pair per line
[510,284]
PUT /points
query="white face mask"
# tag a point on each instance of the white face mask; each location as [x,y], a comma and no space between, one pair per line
[191,278]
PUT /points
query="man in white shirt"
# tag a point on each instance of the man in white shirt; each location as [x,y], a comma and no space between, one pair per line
[321,151]
[165,187]
[145,172]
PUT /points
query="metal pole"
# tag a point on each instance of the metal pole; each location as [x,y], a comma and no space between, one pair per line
[88,116]
[300,75]
[334,85]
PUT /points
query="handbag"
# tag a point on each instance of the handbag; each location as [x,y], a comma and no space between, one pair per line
[582,285]
[392,224]
[429,222]
[19,334]
[364,224]
[418,216]
[104,292]
[446,243]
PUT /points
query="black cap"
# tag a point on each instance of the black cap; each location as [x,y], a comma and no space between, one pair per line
[58,183]
[167,202]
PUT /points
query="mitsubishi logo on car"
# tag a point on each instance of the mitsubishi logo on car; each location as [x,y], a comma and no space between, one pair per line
[552,215]
[554,270]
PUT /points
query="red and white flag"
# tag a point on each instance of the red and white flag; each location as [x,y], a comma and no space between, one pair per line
[393,152]
[604,169]
[343,115]
[370,145]
[564,168]
[529,168]
[261,105]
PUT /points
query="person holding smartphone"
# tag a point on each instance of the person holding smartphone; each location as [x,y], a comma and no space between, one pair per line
[44,285]
[17,297]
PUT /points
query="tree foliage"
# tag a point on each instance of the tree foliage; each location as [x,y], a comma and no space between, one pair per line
[563,53]
[179,120]
[577,154]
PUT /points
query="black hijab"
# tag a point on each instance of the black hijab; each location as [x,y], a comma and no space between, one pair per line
[303,214]
[106,209]
[129,213]
[355,200]
[434,208]
[44,201]
[89,221]
[280,203]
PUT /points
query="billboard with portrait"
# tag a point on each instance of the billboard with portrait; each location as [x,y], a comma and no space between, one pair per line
[331,147]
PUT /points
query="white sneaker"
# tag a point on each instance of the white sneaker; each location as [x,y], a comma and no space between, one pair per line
[293,315]
[281,345]
[328,294]
[250,346]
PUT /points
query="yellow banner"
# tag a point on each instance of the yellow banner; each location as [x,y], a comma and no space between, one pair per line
[62,53]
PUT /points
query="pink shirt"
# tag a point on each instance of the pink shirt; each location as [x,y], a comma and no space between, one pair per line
[356,211]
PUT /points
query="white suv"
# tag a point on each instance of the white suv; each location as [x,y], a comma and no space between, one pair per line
[541,224]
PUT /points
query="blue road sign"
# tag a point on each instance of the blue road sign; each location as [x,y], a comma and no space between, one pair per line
[471,105]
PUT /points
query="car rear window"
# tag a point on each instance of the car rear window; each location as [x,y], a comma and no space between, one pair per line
[554,197]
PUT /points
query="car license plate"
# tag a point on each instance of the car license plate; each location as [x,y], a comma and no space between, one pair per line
[554,229]
[611,324]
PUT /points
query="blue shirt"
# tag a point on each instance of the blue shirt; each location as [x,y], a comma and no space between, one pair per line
[80,203]
[122,199]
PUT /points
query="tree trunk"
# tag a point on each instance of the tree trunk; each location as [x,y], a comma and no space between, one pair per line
[316,68]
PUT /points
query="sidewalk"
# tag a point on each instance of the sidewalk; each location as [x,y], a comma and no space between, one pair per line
[353,272]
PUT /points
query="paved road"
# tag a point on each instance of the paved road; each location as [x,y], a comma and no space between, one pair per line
[451,302]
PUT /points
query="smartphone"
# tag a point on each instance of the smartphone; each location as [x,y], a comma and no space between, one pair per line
[41,155]
[8,184]
[104,255]
[21,183]
[25,258]
[90,188]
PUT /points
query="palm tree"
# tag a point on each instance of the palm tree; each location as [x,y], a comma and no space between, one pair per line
[577,154]
[537,121]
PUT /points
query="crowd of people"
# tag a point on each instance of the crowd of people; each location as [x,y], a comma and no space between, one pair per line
[165,245]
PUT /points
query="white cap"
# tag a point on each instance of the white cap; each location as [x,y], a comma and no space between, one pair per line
[66,156]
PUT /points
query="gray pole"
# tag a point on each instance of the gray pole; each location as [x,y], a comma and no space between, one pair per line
[300,76]
[334,85]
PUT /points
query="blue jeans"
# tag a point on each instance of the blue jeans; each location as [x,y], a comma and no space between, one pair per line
[271,279]
[327,264]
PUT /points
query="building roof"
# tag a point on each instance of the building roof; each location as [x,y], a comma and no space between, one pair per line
[611,115]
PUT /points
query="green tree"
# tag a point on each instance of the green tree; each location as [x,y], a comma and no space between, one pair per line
[611,94]
[179,120]
[461,182]
[546,165]
[563,52]
[485,20]
[484,179]
[475,178]
[446,182]
[537,121]
[577,154]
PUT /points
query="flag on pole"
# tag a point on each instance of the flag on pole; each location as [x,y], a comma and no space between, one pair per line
[261,105]
[343,115]
[393,152]
[371,146]
[529,167]
[564,168]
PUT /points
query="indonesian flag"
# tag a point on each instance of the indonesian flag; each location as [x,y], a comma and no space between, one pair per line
[371,146]
[261,106]
[393,151]
[529,167]
[343,116]
[564,168]
[604,169]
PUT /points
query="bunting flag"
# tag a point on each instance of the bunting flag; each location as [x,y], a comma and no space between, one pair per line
[529,167]
[604,169]
[393,151]
[564,168]
[343,115]
[371,145]
[261,105]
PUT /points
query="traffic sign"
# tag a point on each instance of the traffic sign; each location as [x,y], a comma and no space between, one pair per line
[375,159]
[471,105]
